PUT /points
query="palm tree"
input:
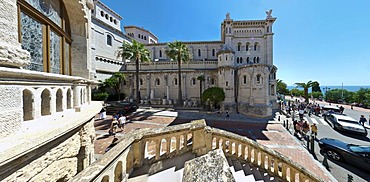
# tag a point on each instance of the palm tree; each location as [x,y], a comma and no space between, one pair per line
[201,78]
[178,51]
[138,53]
[305,87]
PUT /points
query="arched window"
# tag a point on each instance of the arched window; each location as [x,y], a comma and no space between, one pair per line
[102,13]
[111,19]
[259,79]
[258,59]
[45,32]
[138,35]
[212,81]
[199,53]
[193,81]
[239,46]
[254,59]
[175,81]
[227,84]
[106,16]
[268,29]
[244,79]
[237,59]
[241,60]
[247,46]
[213,52]
[109,40]
[59,101]
[28,105]
[160,53]
[45,102]
[141,81]
[255,46]
[157,82]
[144,37]
[226,58]
[248,60]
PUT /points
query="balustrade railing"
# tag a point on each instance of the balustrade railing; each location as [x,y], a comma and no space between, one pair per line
[147,146]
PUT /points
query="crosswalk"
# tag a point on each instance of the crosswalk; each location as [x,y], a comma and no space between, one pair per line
[316,120]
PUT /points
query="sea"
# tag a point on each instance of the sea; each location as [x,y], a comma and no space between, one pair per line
[325,88]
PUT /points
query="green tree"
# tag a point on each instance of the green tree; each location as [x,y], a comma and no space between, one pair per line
[214,94]
[316,95]
[362,96]
[135,52]
[296,92]
[316,86]
[305,87]
[282,87]
[180,52]
[201,79]
[115,82]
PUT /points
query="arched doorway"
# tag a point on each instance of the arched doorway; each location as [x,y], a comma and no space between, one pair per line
[28,105]
[69,99]
[45,102]
[59,101]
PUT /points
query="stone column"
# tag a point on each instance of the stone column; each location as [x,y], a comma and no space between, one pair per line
[131,80]
[167,87]
[184,93]
[148,86]
[11,52]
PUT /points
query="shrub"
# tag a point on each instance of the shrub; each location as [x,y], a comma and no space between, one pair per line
[102,96]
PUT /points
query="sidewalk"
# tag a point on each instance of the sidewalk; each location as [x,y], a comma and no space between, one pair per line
[268,132]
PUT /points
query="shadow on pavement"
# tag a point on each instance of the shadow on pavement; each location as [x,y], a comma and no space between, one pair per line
[356,170]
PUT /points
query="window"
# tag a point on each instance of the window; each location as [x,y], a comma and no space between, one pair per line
[239,45]
[254,59]
[109,40]
[227,84]
[199,53]
[175,81]
[124,82]
[255,46]
[45,32]
[102,13]
[258,59]
[237,60]
[111,19]
[106,16]
[259,79]
[115,21]
[212,81]
[213,52]
[157,82]
[144,37]
[138,35]
[226,58]
[241,60]
[244,79]
[268,29]
[141,81]
[248,60]
[160,53]
[193,81]
[247,47]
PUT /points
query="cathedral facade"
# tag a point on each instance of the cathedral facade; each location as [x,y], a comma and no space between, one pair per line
[241,63]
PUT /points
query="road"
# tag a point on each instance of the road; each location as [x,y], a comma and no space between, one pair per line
[340,170]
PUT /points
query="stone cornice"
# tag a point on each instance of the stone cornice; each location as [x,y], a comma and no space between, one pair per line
[142,29]
[110,10]
[195,42]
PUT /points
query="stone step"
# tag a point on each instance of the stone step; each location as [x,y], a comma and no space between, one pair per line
[248,172]
[238,172]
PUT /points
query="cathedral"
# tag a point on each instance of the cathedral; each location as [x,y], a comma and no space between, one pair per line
[241,63]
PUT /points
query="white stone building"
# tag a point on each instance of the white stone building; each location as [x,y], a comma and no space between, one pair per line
[141,35]
[47,116]
[241,63]
[107,37]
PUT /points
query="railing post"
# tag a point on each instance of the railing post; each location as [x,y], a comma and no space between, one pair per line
[243,151]
[185,141]
[168,143]
[283,171]
[138,150]
[157,148]
[177,144]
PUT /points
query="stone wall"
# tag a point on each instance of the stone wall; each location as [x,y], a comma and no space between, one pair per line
[60,158]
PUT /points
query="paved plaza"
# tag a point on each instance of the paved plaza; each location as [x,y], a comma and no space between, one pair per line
[266,131]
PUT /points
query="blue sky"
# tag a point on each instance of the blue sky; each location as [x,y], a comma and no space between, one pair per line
[320,40]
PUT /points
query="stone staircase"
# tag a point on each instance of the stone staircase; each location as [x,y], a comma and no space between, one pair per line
[173,170]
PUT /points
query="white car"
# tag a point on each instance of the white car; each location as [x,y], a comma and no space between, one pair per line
[345,123]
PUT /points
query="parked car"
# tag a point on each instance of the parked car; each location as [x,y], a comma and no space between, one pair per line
[122,107]
[345,123]
[350,153]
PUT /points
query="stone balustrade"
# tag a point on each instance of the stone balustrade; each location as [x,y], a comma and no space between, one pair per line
[151,145]
[173,65]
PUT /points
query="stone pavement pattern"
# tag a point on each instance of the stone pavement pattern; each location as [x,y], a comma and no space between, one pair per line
[265,131]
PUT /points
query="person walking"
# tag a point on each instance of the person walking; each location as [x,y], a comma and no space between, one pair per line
[113,127]
[314,130]
[362,120]
[122,121]
[227,114]
[103,113]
